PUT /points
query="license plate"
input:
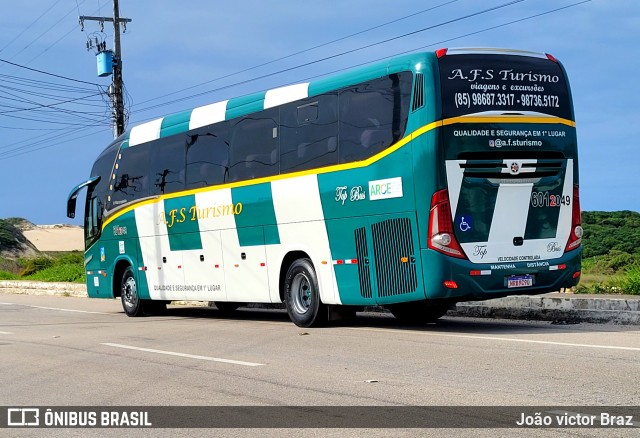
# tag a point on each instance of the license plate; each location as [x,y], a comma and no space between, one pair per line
[520,281]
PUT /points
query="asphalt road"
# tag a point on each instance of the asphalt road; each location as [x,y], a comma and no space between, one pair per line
[58,351]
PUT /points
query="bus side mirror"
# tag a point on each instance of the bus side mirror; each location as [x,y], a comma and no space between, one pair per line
[71,207]
[73,196]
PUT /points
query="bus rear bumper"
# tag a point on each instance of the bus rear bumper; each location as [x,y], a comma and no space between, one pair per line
[448,277]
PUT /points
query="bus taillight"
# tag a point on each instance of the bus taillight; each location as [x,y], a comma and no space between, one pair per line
[575,237]
[441,237]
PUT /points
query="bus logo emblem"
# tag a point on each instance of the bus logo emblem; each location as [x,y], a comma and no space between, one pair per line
[514,169]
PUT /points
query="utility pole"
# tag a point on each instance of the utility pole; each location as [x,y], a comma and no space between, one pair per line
[116,90]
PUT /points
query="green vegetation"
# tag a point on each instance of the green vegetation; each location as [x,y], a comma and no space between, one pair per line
[66,267]
[20,223]
[607,231]
[611,253]
[8,276]
[10,236]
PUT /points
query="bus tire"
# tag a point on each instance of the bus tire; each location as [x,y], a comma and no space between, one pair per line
[131,302]
[302,295]
[227,307]
[419,313]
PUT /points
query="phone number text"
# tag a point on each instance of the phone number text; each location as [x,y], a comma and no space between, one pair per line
[467,100]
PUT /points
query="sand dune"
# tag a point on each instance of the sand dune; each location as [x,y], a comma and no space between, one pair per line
[56,237]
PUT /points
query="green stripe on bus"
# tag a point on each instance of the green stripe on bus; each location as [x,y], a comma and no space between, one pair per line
[182,223]
[243,105]
[257,211]
[175,124]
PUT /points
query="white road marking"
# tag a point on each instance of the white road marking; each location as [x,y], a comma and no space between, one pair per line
[496,338]
[57,308]
[189,356]
[6,333]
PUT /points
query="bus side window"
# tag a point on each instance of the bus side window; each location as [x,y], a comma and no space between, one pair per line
[373,115]
[132,176]
[167,165]
[97,195]
[207,156]
[254,146]
[92,222]
[309,133]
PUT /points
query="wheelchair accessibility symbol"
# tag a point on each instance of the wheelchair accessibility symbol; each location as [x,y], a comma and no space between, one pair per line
[465,224]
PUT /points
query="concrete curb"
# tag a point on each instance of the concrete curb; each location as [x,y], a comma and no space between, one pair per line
[556,307]
[41,288]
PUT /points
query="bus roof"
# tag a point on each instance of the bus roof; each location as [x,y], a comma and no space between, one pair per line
[251,103]
[244,105]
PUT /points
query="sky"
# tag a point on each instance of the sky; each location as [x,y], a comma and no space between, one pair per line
[180,55]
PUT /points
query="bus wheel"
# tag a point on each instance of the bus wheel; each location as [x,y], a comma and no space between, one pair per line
[227,306]
[420,312]
[302,295]
[131,302]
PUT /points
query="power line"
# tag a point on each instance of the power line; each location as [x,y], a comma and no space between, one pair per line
[43,33]
[370,61]
[57,112]
[306,64]
[38,140]
[300,52]
[29,26]
[73,29]
[53,97]
[438,43]
[41,106]
[52,121]
[39,136]
[16,128]
[27,150]
[48,145]
[44,85]
[49,74]
[31,91]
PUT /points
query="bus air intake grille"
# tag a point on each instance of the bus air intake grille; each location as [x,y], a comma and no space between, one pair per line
[500,169]
[363,268]
[418,92]
[394,255]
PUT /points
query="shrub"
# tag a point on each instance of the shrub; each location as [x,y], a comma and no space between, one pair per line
[31,266]
[69,272]
[4,275]
[631,282]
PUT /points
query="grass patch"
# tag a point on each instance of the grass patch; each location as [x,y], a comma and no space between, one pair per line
[614,273]
[71,273]
[631,282]
[52,267]
[4,275]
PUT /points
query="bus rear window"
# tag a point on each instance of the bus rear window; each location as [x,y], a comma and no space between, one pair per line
[475,83]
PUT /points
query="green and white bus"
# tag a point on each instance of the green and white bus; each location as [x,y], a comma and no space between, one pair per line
[413,183]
